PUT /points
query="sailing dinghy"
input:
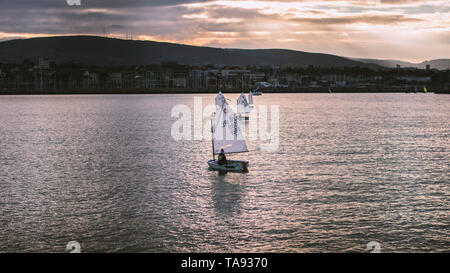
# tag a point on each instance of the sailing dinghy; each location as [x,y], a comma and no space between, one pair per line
[257,92]
[250,99]
[227,135]
[243,108]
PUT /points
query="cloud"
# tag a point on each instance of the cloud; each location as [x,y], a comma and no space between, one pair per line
[55,4]
[333,26]
[366,19]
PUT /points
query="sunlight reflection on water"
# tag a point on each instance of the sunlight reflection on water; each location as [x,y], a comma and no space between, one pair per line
[104,171]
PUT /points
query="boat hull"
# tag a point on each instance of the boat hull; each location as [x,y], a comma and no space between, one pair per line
[243,117]
[231,166]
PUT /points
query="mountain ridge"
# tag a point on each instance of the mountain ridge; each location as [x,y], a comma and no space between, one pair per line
[441,64]
[95,50]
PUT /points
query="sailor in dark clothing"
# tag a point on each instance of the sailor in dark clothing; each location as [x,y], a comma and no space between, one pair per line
[222,158]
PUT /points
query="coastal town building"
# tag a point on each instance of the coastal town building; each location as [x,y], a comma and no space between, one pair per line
[45,75]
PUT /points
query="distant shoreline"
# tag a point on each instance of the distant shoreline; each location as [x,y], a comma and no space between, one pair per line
[203,91]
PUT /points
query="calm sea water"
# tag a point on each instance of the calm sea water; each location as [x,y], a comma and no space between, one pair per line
[105,171]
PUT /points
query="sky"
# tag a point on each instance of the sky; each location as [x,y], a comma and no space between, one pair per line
[409,30]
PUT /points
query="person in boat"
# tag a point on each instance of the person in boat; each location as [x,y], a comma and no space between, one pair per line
[222,158]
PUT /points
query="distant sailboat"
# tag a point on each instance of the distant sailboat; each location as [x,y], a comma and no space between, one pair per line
[227,135]
[257,92]
[243,108]
[250,99]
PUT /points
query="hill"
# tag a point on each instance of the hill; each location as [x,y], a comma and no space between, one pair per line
[93,50]
[440,64]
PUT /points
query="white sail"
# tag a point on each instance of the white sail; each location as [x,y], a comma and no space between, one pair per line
[219,99]
[242,105]
[250,97]
[226,133]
